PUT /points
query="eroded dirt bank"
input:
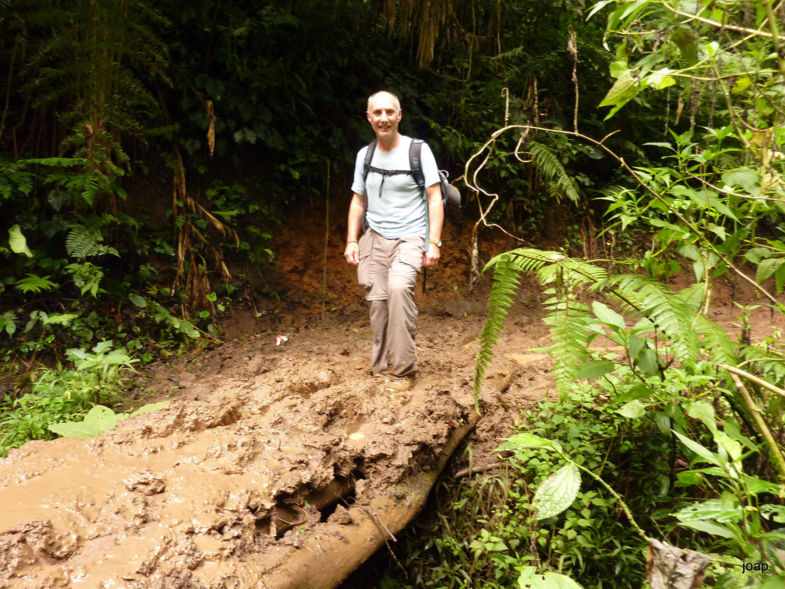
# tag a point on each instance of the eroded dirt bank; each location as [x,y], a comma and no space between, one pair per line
[245,465]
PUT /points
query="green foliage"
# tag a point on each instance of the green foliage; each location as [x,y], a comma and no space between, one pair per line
[98,420]
[530,579]
[673,356]
[64,393]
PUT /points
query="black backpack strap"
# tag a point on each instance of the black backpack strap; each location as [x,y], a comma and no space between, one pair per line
[415,164]
[367,168]
[368,157]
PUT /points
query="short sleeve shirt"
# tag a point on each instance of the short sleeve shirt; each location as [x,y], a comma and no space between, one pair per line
[396,205]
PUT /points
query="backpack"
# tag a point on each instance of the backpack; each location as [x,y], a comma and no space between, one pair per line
[449,192]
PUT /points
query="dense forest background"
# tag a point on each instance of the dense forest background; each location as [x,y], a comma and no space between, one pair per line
[150,152]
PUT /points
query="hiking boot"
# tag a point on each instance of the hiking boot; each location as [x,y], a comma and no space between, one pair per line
[401,383]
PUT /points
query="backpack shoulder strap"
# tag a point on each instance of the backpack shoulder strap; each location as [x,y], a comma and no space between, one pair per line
[415,164]
[368,157]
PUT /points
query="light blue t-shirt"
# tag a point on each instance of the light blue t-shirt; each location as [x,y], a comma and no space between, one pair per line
[396,207]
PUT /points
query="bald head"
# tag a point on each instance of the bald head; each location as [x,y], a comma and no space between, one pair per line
[383,94]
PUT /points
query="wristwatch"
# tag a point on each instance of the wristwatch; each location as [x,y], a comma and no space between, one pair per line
[436,242]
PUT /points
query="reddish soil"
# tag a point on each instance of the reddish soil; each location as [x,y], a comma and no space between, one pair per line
[259,439]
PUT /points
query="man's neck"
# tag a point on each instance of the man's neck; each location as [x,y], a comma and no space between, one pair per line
[388,143]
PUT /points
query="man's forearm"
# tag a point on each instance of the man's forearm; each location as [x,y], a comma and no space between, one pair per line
[354,220]
[435,213]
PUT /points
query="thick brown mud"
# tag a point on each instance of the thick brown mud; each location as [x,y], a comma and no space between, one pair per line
[262,448]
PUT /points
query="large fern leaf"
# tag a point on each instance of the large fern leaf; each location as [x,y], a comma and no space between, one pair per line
[569,320]
[83,242]
[505,284]
[553,172]
[672,314]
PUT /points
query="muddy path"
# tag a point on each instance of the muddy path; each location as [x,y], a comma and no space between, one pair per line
[247,463]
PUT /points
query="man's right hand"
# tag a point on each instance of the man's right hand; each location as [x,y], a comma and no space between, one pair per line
[352,253]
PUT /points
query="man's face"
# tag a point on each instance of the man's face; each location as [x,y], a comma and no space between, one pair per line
[384,116]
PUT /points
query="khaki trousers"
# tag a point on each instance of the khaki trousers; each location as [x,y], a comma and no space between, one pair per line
[388,272]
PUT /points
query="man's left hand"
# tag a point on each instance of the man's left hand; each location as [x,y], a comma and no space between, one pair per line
[431,257]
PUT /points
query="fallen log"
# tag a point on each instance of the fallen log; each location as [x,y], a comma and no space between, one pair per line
[323,562]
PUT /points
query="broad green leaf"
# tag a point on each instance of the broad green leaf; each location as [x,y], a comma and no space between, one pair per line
[709,470]
[660,79]
[755,485]
[137,300]
[766,268]
[732,447]
[619,67]
[531,579]
[597,7]
[558,491]
[17,241]
[632,410]
[764,107]
[710,528]
[8,322]
[663,422]
[622,91]
[715,510]
[704,453]
[636,391]
[703,411]
[647,361]
[97,421]
[595,368]
[746,178]
[150,407]
[689,251]
[684,37]
[773,582]
[637,345]
[607,315]
[741,85]
[526,440]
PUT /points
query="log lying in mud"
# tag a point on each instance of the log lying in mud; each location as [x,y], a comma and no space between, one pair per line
[323,562]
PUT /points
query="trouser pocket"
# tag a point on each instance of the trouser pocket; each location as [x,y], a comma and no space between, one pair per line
[364,267]
[410,252]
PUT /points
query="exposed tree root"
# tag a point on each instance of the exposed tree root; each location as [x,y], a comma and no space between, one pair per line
[322,562]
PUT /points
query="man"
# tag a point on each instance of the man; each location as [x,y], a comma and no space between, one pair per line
[393,248]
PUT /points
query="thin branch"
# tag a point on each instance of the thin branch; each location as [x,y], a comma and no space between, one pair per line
[778,459]
[752,378]
[719,25]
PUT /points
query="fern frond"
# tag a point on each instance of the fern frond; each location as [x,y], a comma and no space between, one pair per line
[525,259]
[718,346]
[767,363]
[552,170]
[670,313]
[505,284]
[83,242]
[573,271]
[569,320]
